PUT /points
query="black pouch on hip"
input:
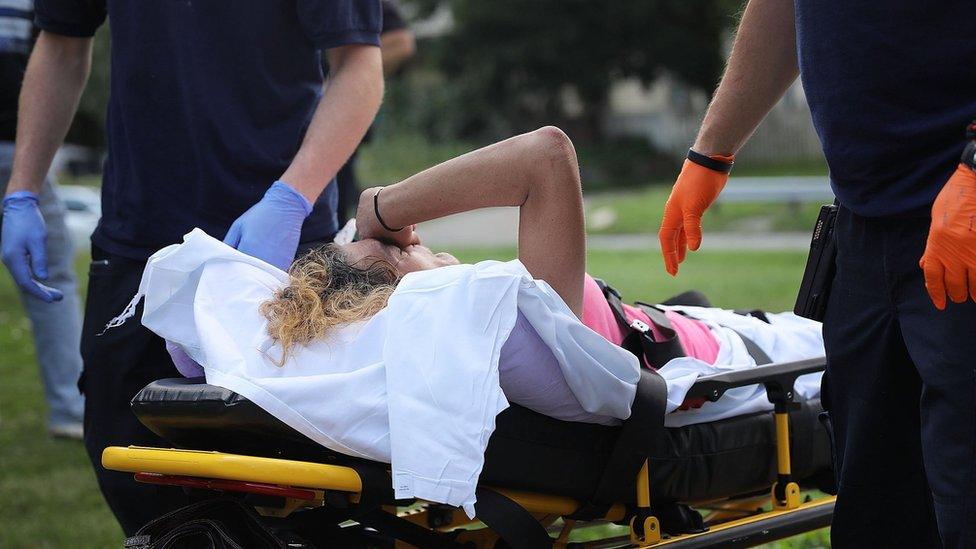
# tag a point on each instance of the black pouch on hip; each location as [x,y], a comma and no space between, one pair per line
[818,276]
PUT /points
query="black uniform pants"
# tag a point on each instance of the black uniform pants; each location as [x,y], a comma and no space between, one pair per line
[117,364]
[901,391]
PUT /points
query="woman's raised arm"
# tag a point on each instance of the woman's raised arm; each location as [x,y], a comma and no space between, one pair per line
[536,171]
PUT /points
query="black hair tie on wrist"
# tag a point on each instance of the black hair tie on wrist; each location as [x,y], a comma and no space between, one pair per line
[709,162]
[376,210]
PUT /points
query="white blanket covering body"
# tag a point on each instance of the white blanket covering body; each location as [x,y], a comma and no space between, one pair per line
[786,338]
[415,386]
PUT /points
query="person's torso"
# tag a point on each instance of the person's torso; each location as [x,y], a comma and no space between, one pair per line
[695,337]
[16,39]
[890,93]
[209,104]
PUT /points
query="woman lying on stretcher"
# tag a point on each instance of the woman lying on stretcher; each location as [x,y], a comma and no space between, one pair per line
[537,172]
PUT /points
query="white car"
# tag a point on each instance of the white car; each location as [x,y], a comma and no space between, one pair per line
[84,208]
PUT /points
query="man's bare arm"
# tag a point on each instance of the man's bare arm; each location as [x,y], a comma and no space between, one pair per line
[762,66]
[349,103]
[55,77]
[398,47]
[536,171]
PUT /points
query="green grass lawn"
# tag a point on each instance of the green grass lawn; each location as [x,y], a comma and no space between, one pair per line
[641,211]
[765,280]
[48,496]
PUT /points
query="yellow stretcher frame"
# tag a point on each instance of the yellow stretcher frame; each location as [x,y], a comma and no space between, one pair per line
[645,529]
[337,478]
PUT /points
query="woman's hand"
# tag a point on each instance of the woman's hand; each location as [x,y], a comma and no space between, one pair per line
[369,226]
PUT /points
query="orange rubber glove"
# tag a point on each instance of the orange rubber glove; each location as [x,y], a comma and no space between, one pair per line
[694,191]
[949,261]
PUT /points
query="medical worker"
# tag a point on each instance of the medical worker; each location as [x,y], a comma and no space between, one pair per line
[892,93]
[56,327]
[218,118]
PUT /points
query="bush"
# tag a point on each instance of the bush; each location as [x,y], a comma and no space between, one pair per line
[623,163]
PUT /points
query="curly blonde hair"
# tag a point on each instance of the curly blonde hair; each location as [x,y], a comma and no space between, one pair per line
[326,291]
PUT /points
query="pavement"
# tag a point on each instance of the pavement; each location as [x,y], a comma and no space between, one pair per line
[498,227]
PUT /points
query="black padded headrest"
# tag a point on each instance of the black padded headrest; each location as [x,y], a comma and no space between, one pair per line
[182,389]
[189,413]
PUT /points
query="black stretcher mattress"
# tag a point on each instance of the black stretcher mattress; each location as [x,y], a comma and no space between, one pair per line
[528,451]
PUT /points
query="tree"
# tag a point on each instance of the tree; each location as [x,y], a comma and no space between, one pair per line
[514,59]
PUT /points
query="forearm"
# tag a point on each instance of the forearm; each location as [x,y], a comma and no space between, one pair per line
[762,66]
[500,174]
[537,172]
[349,103]
[398,47]
[55,77]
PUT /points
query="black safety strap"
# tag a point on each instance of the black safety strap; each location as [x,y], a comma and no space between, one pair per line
[660,352]
[754,313]
[631,341]
[634,444]
[639,339]
[510,520]
[755,351]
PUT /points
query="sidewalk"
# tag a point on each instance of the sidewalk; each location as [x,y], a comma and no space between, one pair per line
[498,227]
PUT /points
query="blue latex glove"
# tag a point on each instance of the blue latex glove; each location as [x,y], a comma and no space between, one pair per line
[22,245]
[270,230]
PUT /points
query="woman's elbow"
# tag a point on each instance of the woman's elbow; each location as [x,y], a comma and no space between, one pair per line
[554,142]
[556,155]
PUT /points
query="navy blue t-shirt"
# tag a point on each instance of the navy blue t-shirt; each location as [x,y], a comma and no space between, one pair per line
[210,100]
[891,90]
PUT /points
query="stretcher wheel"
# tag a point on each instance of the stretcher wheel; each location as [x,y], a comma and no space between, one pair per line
[792,494]
[650,534]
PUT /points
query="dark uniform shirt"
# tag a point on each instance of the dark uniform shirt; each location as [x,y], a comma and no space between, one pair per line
[891,89]
[16,38]
[210,100]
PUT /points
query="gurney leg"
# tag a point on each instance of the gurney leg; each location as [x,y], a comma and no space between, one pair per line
[644,527]
[786,493]
[563,538]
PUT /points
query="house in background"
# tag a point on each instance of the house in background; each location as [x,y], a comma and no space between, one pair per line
[668,114]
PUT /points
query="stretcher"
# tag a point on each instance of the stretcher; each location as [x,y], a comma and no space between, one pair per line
[735,482]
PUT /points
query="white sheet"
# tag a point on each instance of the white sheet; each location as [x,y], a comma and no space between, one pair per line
[415,386]
[786,338]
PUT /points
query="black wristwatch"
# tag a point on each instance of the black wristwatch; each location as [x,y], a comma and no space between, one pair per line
[969,153]
[709,162]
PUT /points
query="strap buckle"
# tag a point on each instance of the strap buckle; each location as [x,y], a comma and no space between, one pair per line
[640,326]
